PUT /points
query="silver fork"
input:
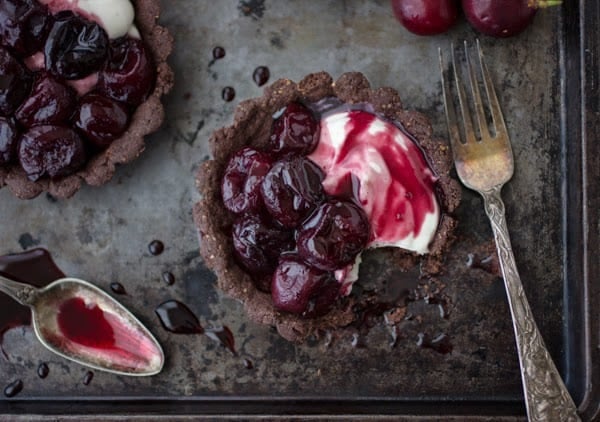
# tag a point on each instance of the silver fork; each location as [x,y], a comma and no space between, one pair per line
[485,165]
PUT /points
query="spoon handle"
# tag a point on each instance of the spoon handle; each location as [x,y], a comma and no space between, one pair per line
[21,292]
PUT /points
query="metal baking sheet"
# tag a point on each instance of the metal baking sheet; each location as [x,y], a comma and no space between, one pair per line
[547,80]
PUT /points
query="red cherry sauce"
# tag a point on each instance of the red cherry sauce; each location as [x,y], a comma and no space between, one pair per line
[85,324]
[35,267]
[85,329]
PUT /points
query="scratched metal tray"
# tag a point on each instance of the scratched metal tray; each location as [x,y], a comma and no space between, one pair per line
[548,83]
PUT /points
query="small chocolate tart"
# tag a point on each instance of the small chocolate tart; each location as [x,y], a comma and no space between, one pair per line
[146,118]
[252,127]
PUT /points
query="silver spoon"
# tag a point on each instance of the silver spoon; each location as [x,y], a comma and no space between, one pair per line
[80,322]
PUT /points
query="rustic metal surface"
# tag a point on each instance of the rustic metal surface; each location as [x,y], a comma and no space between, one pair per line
[102,233]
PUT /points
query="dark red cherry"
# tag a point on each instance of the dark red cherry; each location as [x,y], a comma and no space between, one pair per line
[101,119]
[8,141]
[129,75]
[24,25]
[296,131]
[334,235]
[15,83]
[50,102]
[243,177]
[426,17]
[75,47]
[50,150]
[258,244]
[499,19]
[301,289]
[292,190]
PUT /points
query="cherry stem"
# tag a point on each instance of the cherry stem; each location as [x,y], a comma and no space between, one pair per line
[543,3]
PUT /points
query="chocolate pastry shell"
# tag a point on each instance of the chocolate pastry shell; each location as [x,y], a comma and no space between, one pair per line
[251,127]
[146,119]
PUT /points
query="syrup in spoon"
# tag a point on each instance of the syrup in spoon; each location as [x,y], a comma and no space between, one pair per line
[80,322]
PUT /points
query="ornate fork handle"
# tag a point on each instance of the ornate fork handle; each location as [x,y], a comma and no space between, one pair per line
[546,397]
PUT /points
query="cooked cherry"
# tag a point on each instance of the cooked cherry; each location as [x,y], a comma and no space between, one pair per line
[101,119]
[243,177]
[50,150]
[50,102]
[426,17]
[301,289]
[8,141]
[24,25]
[129,75]
[292,190]
[15,82]
[258,244]
[334,235]
[296,131]
[75,47]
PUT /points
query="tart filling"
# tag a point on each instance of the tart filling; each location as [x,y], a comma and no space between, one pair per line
[324,189]
[77,77]
[396,186]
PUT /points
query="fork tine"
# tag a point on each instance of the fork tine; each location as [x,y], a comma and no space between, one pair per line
[481,121]
[451,119]
[495,110]
[462,101]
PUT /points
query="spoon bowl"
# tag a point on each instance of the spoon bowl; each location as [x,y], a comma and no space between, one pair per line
[80,322]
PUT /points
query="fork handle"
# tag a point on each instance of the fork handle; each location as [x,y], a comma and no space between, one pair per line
[546,397]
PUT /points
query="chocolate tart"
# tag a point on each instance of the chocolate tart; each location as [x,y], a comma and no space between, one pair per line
[251,127]
[146,118]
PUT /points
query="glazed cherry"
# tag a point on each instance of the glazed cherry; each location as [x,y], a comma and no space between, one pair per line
[101,119]
[292,190]
[75,47]
[8,141]
[50,102]
[499,19]
[243,177]
[129,75]
[50,150]
[258,244]
[24,25]
[301,289]
[427,17]
[15,83]
[334,235]
[296,131]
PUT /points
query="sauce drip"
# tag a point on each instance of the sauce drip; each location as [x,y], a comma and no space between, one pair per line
[43,370]
[34,267]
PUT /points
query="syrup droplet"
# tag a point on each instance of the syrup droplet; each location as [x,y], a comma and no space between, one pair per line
[168,278]
[224,336]
[261,75]
[177,318]
[156,247]
[13,388]
[43,370]
[228,94]
[248,363]
[218,53]
[88,377]
[118,288]
[440,343]
[35,267]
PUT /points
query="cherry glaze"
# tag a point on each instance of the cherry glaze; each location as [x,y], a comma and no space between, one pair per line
[34,267]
